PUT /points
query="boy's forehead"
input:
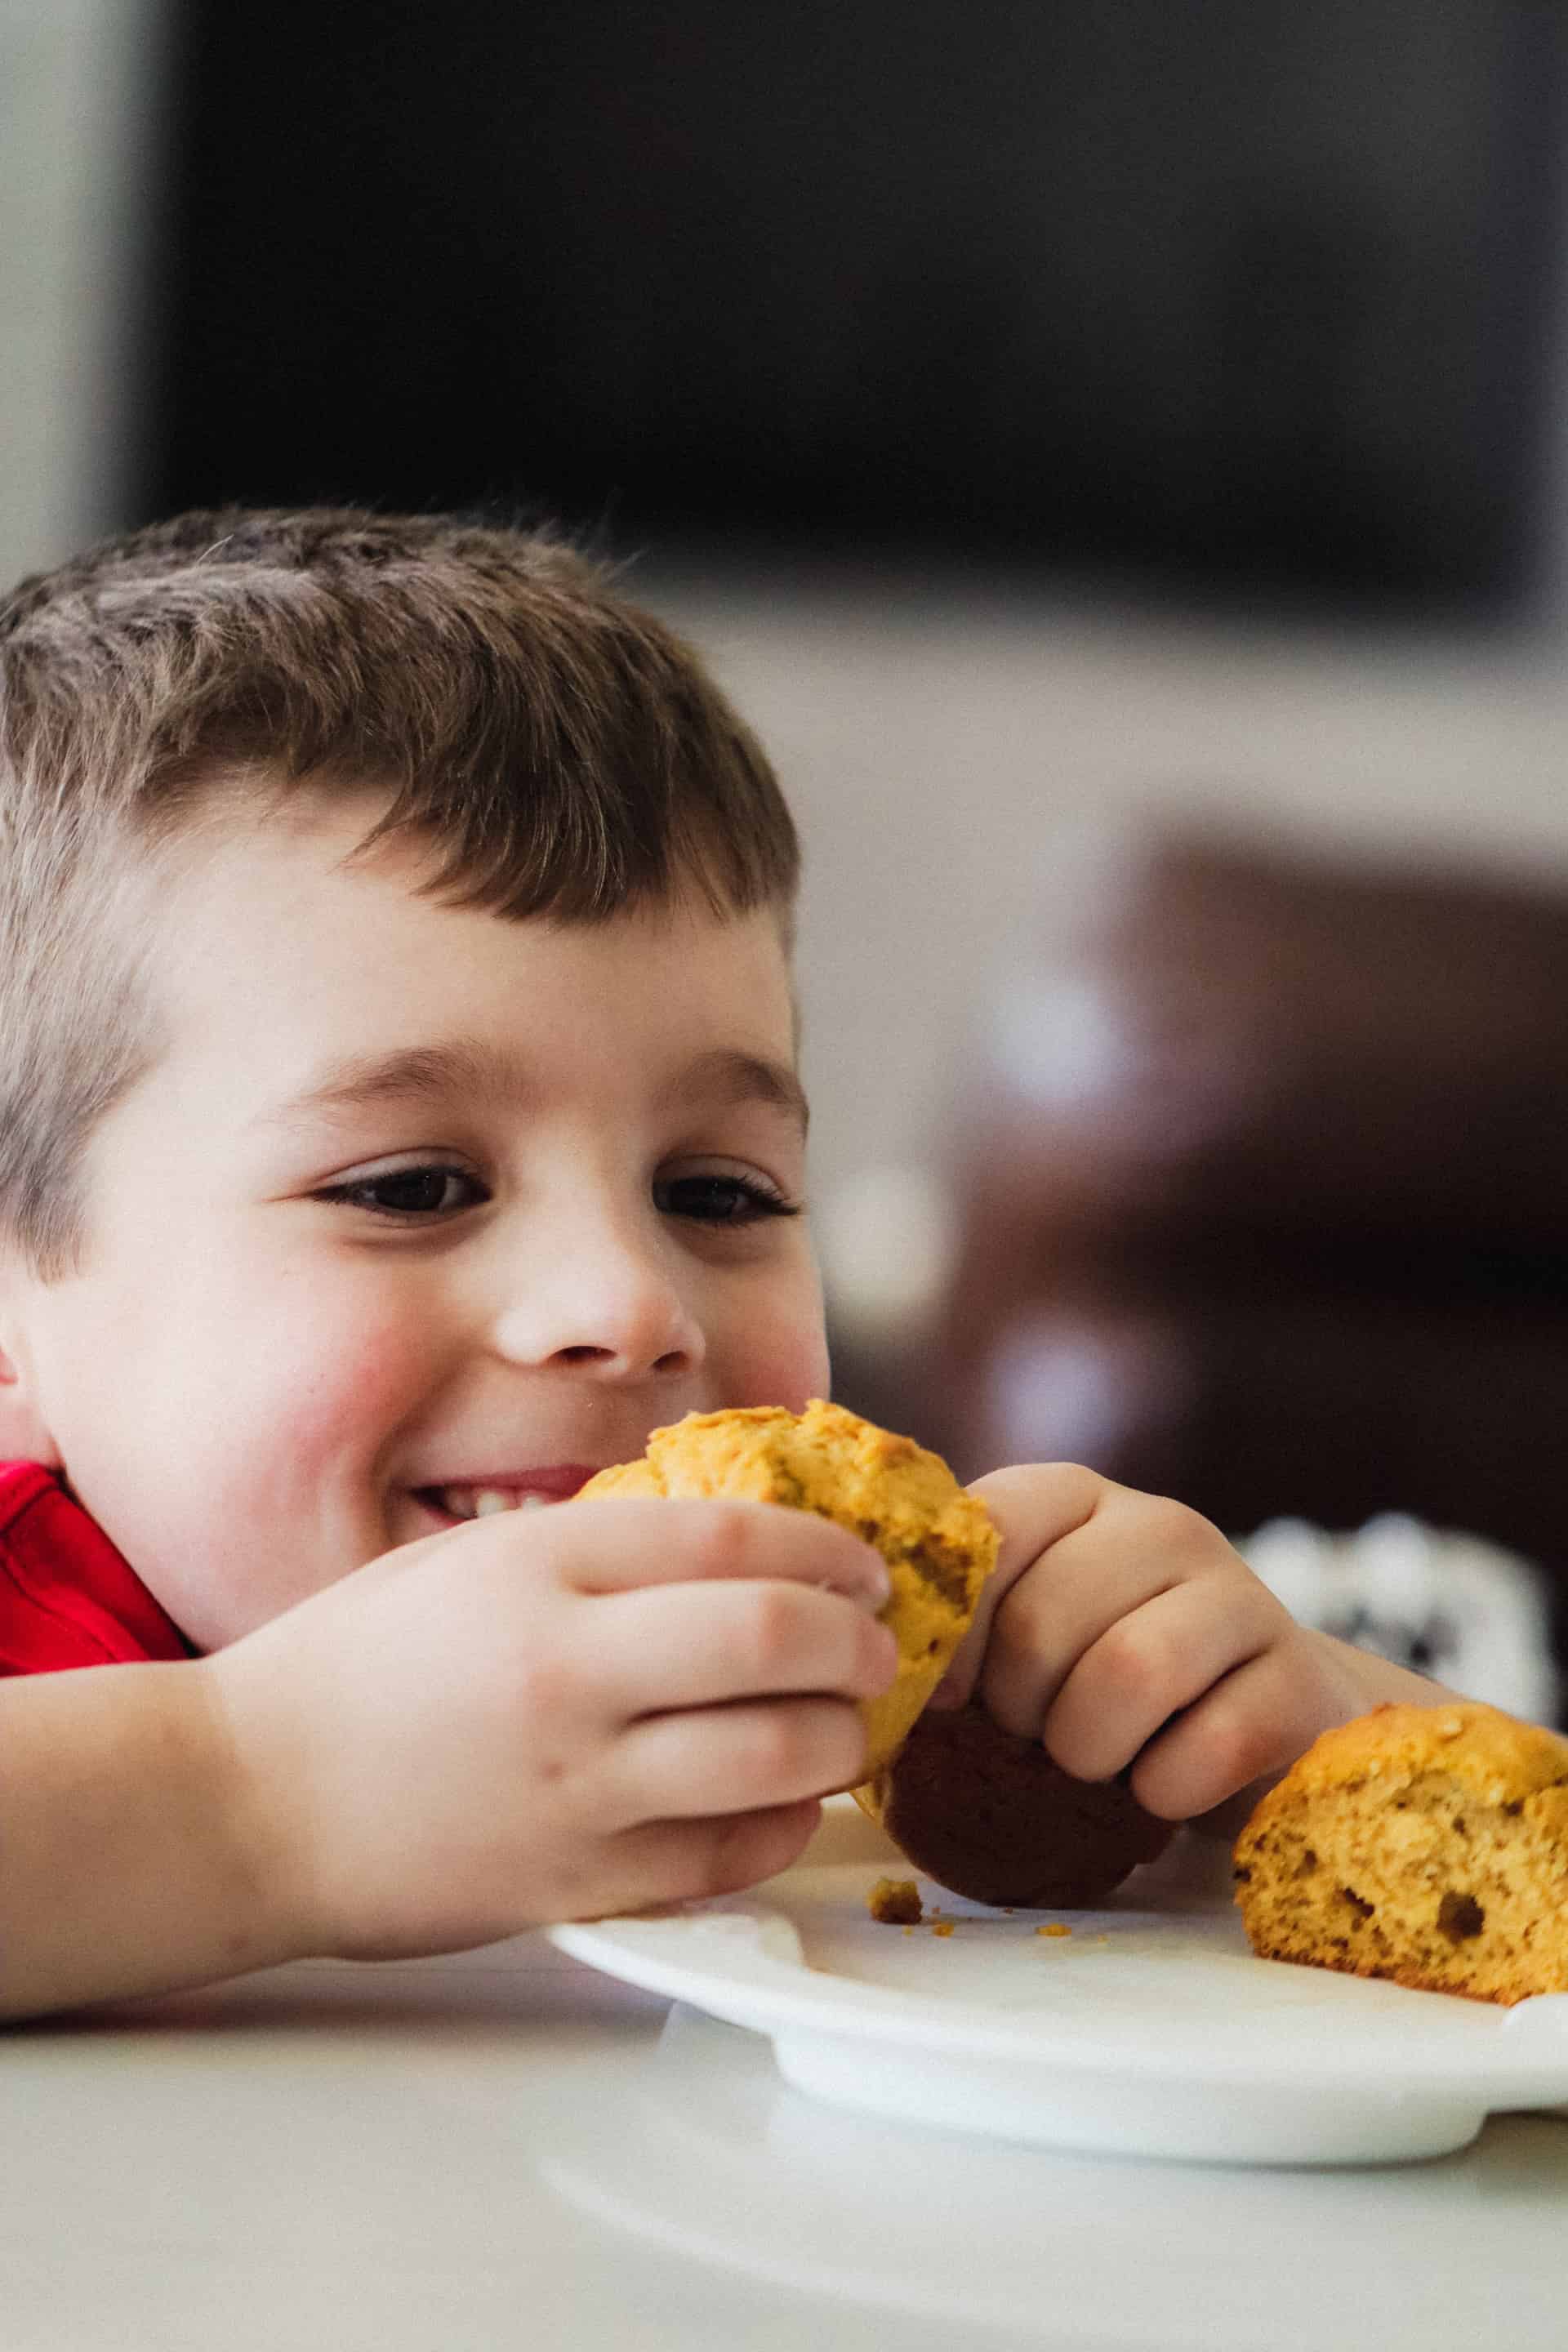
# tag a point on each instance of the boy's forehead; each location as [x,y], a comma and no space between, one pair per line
[293,919]
[319,840]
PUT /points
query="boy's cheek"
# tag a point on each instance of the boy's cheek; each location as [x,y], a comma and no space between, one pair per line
[308,1429]
[345,1404]
[781,1366]
[778,1353]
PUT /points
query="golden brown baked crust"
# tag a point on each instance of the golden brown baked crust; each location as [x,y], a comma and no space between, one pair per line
[896,1903]
[939,1541]
[988,1815]
[1427,1844]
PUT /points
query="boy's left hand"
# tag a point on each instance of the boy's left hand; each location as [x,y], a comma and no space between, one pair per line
[1122,1629]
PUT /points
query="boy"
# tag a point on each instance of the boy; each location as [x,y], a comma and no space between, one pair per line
[398,1119]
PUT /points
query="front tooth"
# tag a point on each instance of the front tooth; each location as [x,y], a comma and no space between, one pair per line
[487,1500]
[459,1501]
[531,1503]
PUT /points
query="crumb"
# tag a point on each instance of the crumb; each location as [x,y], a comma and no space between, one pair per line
[1056,1928]
[909,1931]
[896,1902]
[943,1927]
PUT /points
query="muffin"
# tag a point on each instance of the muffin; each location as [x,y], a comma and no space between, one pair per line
[1429,1844]
[940,1542]
[988,1815]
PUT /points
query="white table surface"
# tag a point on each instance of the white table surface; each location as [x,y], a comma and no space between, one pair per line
[507,2148]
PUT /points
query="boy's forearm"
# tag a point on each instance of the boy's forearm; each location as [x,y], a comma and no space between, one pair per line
[128,1862]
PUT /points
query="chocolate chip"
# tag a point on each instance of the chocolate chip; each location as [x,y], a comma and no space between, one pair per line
[1459,1917]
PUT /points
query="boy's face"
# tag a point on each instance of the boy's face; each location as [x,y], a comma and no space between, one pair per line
[417,1203]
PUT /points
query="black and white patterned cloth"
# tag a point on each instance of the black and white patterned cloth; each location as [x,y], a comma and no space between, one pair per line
[1450,1605]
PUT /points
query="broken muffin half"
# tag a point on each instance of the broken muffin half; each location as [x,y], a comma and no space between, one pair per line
[1426,1844]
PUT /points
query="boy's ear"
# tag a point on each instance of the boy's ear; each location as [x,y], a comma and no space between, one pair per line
[24,1434]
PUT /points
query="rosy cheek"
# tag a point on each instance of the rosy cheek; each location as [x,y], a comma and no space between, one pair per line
[352,1396]
[782,1365]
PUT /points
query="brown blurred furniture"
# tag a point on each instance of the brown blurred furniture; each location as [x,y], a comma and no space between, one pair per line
[1263,1198]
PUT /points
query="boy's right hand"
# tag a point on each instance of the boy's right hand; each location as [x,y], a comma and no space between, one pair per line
[551,1714]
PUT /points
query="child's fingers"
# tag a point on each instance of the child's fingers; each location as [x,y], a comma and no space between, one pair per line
[731,1759]
[1034,1509]
[668,1647]
[610,1543]
[687,1861]
[1249,1726]
[1145,1668]
[1116,1550]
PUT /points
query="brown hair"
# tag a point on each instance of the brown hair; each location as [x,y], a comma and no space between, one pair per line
[556,750]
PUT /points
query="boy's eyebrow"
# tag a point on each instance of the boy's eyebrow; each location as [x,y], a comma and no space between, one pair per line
[730,1078]
[436,1073]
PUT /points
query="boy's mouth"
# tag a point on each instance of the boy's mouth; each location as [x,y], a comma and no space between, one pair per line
[525,1490]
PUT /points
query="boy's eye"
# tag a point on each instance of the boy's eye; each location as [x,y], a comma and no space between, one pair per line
[720,1200]
[409,1193]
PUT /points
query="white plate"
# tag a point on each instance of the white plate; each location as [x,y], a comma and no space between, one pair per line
[1150,2030]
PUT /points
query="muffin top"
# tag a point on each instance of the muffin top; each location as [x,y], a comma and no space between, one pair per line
[1499,1760]
[940,1542]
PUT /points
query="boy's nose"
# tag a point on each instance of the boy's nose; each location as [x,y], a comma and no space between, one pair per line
[613,1311]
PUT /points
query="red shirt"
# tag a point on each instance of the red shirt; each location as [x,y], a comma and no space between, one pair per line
[67,1597]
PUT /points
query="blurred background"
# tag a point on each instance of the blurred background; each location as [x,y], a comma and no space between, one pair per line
[1116,456]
